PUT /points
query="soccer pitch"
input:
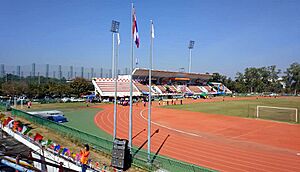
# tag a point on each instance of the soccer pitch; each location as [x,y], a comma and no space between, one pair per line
[243,108]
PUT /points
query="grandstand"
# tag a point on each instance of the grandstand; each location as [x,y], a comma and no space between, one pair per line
[164,84]
[105,87]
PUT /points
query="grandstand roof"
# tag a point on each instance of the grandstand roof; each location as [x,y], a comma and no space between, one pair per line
[170,74]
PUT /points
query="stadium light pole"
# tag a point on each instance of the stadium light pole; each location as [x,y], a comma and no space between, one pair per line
[191,46]
[114,30]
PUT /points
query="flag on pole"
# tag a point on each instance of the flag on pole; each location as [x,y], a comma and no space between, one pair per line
[118,37]
[64,151]
[8,119]
[38,137]
[25,130]
[135,33]
[57,148]
[152,29]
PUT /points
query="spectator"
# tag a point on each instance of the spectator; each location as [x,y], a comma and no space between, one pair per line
[29,104]
[85,153]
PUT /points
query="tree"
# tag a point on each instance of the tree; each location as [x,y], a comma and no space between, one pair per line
[252,79]
[274,84]
[230,84]
[240,85]
[216,77]
[14,88]
[292,78]
[81,86]
[263,79]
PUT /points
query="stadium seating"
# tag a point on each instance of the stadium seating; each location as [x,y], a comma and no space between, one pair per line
[162,89]
[109,86]
[172,89]
[227,90]
[105,86]
[195,89]
[183,89]
[141,87]
[155,89]
[209,89]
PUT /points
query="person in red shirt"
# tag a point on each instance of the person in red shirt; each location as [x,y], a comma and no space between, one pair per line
[85,153]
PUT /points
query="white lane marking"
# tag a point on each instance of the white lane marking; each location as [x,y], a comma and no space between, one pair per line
[173,129]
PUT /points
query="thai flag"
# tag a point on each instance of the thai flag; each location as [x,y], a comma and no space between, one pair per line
[135,32]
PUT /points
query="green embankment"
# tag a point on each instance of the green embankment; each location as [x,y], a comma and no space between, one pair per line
[79,116]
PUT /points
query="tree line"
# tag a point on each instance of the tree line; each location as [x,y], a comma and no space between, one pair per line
[40,87]
[262,79]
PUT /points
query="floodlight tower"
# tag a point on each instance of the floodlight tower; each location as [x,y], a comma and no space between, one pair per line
[191,46]
[114,29]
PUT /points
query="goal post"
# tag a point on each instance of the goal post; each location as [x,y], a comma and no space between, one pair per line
[277,113]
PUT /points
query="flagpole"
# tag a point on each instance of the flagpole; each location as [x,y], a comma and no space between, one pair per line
[150,99]
[131,89]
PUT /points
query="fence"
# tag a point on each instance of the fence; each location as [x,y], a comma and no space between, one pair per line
[140,159]
[58,71]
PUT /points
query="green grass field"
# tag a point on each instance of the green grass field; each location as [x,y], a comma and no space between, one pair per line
[79,116]
[246,108]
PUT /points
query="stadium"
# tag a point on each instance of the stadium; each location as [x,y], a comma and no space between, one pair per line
[196,125]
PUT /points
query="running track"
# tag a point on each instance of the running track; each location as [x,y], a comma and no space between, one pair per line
[219,142]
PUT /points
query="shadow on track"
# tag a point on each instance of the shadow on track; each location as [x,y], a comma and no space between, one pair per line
[156,131]
[160,148]
[139,133]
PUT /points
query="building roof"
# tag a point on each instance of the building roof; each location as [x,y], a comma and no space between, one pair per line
[139,72]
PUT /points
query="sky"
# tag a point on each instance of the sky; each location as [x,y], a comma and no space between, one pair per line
[229,35]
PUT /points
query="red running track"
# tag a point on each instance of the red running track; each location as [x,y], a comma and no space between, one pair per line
[219,142]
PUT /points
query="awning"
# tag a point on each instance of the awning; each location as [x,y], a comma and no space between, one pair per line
[138,72]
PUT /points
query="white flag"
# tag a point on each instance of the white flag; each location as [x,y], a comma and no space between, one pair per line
[118,36]
[152,29]
[24,129]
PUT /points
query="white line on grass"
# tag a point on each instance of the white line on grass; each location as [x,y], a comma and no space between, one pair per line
[173,129]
